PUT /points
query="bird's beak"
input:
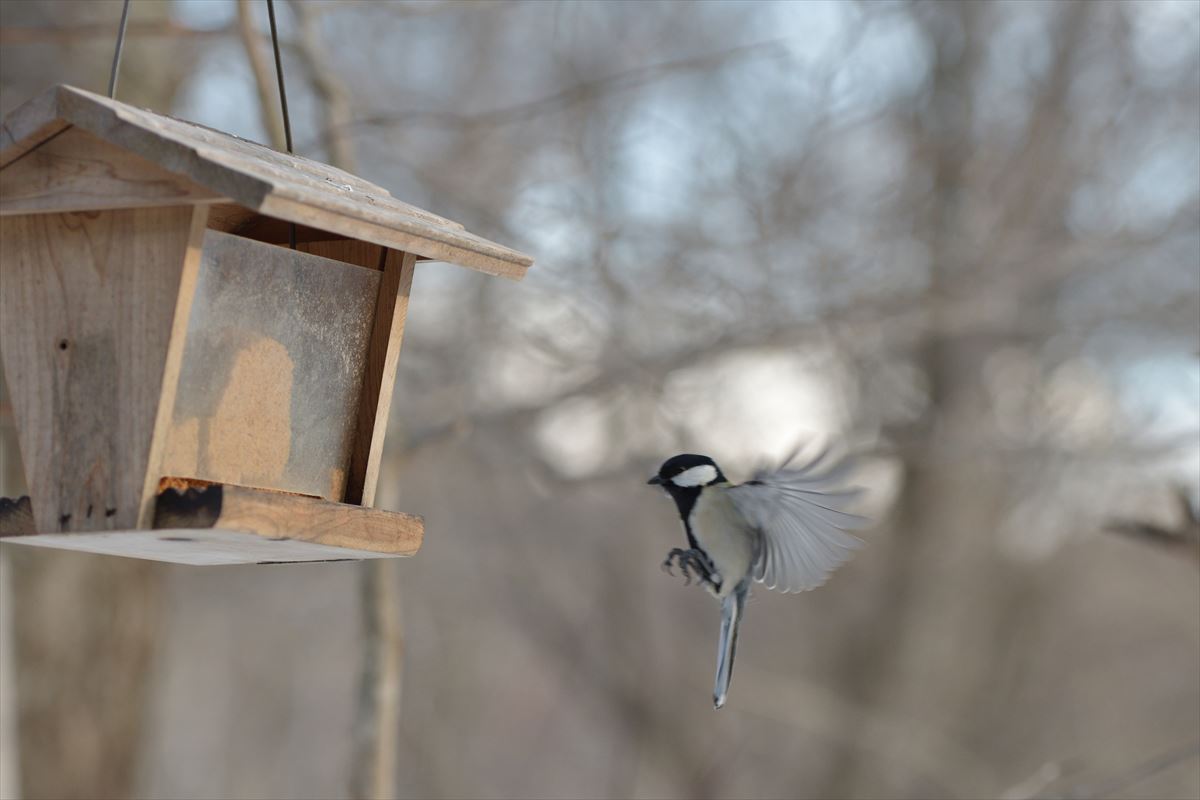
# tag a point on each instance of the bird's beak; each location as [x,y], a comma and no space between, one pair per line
[655,481]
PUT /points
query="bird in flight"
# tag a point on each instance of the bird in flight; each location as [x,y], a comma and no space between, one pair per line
[785,528]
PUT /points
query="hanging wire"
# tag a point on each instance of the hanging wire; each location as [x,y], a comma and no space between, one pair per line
[116,65]
[287,123]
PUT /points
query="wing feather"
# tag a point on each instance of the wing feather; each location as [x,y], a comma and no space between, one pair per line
[802,517]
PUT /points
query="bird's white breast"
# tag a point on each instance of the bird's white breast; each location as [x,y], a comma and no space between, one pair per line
[722,534]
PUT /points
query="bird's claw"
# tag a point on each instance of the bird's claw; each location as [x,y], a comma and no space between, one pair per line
[689,561]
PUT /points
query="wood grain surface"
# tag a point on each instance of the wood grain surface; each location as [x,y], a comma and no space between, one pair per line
[89,310]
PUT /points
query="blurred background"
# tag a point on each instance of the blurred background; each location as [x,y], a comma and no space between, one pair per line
[960,240]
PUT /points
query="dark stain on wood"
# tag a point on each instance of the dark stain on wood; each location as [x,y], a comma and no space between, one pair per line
[190,508]
[16,517]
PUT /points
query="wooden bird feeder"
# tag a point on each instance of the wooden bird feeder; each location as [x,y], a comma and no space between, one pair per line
[186,387]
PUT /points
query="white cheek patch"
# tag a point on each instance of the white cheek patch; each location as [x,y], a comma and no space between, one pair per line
[696,476]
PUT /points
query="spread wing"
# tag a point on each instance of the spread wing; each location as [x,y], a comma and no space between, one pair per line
[800,512]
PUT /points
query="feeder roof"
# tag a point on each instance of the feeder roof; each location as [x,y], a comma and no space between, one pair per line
[234,170]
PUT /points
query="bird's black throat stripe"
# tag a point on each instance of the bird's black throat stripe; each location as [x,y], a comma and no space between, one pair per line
[685,498]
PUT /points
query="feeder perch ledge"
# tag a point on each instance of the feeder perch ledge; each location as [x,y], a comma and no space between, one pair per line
[185,386]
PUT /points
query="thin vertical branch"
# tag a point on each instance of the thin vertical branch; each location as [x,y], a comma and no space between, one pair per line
[336,121]
[377,725]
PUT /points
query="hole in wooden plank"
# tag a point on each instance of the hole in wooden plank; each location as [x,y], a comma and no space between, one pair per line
[176,539]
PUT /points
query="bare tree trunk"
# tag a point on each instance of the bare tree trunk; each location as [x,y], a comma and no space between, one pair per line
[940,539]
[378,719]
[951,609]
[86,628]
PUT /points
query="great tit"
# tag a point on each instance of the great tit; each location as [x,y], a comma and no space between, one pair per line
[785,528]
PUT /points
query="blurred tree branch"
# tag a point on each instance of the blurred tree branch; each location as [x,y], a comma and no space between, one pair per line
[377,726]
[67,34]
[1041,784]
[585,91]
[332,94]
[1182,540]
[422,8]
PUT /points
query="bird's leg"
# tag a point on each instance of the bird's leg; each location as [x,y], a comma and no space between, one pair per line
[689,561]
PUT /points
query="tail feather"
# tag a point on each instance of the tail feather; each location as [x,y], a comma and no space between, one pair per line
[731,615]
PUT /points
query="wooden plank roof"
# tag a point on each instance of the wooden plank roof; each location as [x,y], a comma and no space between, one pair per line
[275,184]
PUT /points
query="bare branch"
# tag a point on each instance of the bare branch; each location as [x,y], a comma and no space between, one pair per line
[166,28]
[582,92]
[335,100]
[1182,540]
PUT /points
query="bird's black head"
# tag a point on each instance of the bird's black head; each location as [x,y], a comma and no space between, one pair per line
[684,476]
[687,471]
